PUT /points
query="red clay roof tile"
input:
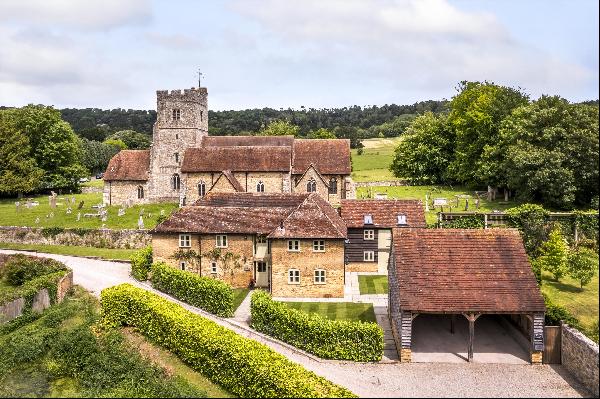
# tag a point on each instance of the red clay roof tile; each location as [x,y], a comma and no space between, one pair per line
[384,212]
[128,165]
[329,156]
[237,159]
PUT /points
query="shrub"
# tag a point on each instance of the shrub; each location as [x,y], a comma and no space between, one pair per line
[328,339]
[241,365]
[467,222]
[141,261]
[52,231]
[31,287]
[209,294]
[556,313]
[554,254]
[19,269]
[531,221]
[581,265]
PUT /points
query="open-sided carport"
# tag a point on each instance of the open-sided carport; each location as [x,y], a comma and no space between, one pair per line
[457,276]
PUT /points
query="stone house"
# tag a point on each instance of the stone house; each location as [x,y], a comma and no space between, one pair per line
[291,244]
[370,224]
[184,163]
[449,275]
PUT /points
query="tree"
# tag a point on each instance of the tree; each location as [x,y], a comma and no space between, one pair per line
[18,170]
[425,151]
[322,133]
[132,139]
[95,156]
[581,265]
[116,143]
[476,114]
[554,254]
[551,152]
[53,145]
[280,128]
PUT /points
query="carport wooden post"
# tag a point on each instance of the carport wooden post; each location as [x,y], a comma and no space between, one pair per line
[471,317]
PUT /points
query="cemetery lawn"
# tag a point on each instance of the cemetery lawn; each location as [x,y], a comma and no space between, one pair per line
[373,163]
[337,310]
[105,253]
[27,217]
[372,284]
[98,183]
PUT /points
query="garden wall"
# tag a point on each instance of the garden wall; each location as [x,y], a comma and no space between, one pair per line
[99,238]
[41,300]
[580,357]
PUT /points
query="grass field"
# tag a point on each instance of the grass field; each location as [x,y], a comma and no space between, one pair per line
[239,294]
[97,183]
[375,160]
[105,253]
[337,310]
[27,217]
[583,304]
[373,284]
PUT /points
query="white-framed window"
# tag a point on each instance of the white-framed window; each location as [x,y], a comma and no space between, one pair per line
[182,265]
[261,267]
[213,267]
[185,240]
[369,234]
[260,187]
[294,245]
[260,239]
[293,276]
[369,256]
[221,241]
[318,245]
[368,219]
[320,276]
[401,219]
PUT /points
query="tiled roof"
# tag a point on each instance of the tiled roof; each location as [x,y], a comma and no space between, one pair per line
[302,216]
[232,141]
[468,270]
[383,212]
[128,165]
[237,159]
[329,156]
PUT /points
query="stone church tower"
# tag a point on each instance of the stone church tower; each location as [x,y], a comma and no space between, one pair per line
[181,122]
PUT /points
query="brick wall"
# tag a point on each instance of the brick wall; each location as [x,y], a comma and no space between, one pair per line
[580,357]
[332,260]
[362,267]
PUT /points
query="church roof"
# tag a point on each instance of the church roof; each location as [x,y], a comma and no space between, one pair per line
[329,156]
[128,165]
[237,159]
[244,141]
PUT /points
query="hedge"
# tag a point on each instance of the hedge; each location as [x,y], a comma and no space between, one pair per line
[243,366]
[328,339]
[141,261]
[209,294]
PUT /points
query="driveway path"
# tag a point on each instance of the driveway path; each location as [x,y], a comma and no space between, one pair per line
[369,379]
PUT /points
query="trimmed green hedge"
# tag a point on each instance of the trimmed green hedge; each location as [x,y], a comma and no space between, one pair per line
[209,294]
[241,365]
[328,339]
[141,261]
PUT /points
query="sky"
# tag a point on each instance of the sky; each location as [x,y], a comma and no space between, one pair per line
[292,53]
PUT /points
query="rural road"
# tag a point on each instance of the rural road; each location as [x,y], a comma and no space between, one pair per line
[373,379]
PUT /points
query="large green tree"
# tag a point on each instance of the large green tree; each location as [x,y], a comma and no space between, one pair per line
[53,145]
[96,155]
[549,152]
[476,114]
[426,150]
[18,170]
[280,128]
[322,133]
[132,139]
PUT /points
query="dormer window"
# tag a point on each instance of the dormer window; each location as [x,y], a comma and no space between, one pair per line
[368,219]
[401,219]
[176,114]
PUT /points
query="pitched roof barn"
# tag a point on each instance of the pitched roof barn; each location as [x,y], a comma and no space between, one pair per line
[463,270]
[383,213]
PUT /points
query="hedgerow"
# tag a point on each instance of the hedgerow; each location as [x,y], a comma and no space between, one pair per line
[209,294]
[328,339]
[141,261]
[243,366]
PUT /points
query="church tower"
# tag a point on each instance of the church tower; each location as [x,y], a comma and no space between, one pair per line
[181,122]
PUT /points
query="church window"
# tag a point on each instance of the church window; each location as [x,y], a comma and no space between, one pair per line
[175,182]
[260,187]
[311,186]
[201,116]
[176,114]
[140,191]
[333,186]
[177,157]
[201,188]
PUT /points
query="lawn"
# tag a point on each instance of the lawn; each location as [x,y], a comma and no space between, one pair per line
[582,304]
[373,163]
[373,284]
[97,183]
[239,294]
[60,218]
[106,253]
[337,310]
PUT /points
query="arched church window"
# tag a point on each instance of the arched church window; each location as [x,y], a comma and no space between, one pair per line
[311,186]
[260,187]
[140,192]
[201,188]
[175,182]
[333,186]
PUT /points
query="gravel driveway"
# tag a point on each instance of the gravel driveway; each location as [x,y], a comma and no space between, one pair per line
[377,380]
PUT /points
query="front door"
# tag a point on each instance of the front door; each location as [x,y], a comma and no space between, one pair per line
[261,271]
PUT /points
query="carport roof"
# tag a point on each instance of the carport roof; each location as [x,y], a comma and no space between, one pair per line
[464,270]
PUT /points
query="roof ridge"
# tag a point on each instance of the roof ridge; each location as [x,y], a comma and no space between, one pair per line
[326,215]
[290,214]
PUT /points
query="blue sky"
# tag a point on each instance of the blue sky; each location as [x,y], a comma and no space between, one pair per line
[292,53]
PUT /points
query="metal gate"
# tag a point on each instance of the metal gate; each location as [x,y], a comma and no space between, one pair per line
[552,344]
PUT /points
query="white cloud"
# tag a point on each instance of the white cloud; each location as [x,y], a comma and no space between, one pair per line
[81,14]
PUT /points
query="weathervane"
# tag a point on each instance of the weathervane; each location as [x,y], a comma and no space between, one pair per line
[200,74]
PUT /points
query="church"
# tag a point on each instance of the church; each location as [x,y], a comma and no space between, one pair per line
[184,164]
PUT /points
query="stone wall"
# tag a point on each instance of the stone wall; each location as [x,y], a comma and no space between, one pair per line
[580,357]
[386,183]
[306,260]
[362,267]
[41,300]
[118,192]
[99,238]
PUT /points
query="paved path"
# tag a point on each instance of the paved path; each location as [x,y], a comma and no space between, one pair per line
[242,313]
[370,379]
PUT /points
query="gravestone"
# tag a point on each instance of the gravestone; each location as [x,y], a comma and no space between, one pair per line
[37,220]
[52,200]
[69,210]
[78,216]
[162,212]
[121,212]
[18,206]
[51,215]
[80,205]
[141,222]
[73,200]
